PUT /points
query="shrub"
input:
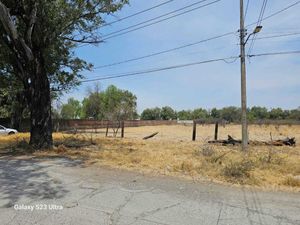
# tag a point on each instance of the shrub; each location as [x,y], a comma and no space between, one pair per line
[291,181]
[239,169]
[207,151]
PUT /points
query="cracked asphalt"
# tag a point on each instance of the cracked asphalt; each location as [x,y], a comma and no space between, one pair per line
[94,195]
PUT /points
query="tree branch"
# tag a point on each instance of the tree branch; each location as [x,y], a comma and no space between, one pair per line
[83,40]
[32,22]
[7,22]
[12,32]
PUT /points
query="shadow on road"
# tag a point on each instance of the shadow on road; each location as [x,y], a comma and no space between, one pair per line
[25,181]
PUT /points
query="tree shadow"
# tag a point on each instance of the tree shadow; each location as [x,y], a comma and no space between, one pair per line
[27,180]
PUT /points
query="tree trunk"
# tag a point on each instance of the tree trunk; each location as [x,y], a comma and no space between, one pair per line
[18,106]
[40,110]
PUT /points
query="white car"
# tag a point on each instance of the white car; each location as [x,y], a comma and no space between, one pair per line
[7,131]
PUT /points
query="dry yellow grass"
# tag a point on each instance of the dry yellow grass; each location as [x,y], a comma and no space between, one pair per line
[173,153]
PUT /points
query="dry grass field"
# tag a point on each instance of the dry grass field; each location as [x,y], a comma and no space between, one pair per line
[173,153]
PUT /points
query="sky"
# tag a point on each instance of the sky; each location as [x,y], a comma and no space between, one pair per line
[272,81]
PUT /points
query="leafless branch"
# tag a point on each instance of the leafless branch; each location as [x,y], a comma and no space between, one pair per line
[83,40]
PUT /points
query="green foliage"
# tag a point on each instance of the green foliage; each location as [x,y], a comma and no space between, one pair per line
[59,27]
[71,110]
[119,104]
[184,115]
[167,113]
[200,114]
[151,114]
[37,47]
[215,113]
[92,106]
[295,114]
[111,104]
[277,113]
[257,113]
[231,114]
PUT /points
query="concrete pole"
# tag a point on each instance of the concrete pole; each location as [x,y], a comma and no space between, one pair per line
[243,79]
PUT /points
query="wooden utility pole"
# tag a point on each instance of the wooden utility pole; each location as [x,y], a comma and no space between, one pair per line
[243,79]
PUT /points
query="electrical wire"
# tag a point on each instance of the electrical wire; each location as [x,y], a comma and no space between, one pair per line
[261,15]
[234,58]
[277,36]
[246,10]
[110,35]
[137,13]
[275,53]
[276,13]
[265,18]
[138,27]
[159,69]
[165,51]
[195,43]
[155,18]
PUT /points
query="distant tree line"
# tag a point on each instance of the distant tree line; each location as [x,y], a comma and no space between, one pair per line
[116,104]
[231,114]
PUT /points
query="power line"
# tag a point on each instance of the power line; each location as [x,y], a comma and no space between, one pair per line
[276,13]
[275,53]
[165,51]
[158,17]
[246,10]
[195,43]
[159,69]
[138,27]
[265,18]
[233,58]
[110,35]
[280,35]
[261,15]
[137,13]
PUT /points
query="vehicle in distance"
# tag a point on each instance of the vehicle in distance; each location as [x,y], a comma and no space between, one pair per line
[7,131]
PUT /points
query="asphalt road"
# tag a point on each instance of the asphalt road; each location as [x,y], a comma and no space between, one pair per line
[59,191]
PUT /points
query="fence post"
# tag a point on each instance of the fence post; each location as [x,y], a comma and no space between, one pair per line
[194,130]
[122,129]
[107,123]
[216,130]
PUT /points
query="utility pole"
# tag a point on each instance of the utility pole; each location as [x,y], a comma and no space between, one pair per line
[243,79]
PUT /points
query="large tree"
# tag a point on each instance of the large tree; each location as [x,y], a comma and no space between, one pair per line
[37,43]
[111,104]
[119,104]
[151,114]
[167,113]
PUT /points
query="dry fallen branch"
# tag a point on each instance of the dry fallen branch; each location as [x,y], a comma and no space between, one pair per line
[231,141]
[150,136]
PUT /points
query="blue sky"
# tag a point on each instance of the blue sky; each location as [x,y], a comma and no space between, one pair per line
[272,81]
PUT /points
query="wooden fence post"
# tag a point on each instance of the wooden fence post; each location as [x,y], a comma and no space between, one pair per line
[216,130]
[194,130]
[122,129]
[107,124]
